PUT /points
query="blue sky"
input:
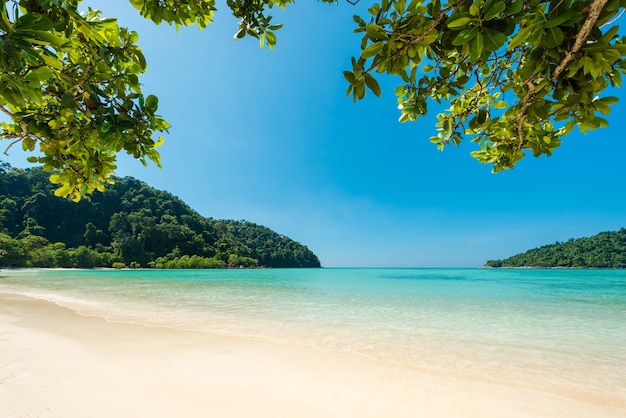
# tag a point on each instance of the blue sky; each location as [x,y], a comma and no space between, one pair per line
[269,137]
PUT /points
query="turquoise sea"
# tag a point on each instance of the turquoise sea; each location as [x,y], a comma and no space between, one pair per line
[562,331]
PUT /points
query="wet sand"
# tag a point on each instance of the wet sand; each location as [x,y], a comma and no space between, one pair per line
[57,363]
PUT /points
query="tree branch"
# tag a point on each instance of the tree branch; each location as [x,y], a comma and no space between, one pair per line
[6,112]
[423,35]
[82,79]
[521,116]
[19,139]
[594,13]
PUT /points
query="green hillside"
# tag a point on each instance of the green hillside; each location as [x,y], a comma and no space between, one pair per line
[604,250]
[129,224]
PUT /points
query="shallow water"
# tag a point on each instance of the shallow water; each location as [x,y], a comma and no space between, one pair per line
[562,331]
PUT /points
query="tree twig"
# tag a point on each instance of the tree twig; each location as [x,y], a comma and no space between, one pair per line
[6,112]
[521,116]
[19,139]
[81,80]
[426,31]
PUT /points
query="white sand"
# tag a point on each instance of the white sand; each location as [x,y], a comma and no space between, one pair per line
[56,363]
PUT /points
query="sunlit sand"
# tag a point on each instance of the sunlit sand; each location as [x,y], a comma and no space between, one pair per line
[54,362]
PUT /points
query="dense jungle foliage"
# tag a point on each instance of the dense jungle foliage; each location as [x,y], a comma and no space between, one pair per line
[130,224]
[604,250]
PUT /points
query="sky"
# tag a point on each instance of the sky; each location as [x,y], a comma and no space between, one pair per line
[269,136]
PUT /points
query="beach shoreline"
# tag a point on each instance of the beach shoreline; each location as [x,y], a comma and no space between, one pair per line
[57,363]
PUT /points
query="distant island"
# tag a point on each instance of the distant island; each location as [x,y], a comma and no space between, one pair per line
[130,224]
[604,250]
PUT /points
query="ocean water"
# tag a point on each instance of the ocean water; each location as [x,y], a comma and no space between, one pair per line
[562,331]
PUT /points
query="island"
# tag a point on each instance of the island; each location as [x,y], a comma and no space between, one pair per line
[129,224]
[603,250]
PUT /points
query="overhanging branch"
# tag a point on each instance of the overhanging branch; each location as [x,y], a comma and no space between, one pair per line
[594,13]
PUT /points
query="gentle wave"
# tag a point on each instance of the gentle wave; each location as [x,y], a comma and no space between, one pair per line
[563,330]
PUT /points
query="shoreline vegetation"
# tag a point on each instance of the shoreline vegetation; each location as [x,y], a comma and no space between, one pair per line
[606,250]
[129,225]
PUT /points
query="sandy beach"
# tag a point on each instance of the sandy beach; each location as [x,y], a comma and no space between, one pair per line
[57,363]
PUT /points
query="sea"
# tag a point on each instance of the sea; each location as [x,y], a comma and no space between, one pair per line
[560,331]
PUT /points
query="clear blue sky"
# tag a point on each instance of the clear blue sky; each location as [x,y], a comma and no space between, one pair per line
[269,137]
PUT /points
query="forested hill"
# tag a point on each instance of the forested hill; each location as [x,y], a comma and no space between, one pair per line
[129,224]
[604,250]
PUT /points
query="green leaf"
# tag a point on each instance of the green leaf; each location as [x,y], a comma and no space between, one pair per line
[271,39]
[55,124]
[514,8]
[152,103]
[40,74]
[52,61]
[482,116]
[476,47]
[105,127]
[608,36]
[56,178]
[522,36]
[372,84]
[241,33]
[33,21]
[616,79]
[588,65]
[603,108]
[138,4]
[465,36]
[601,122]
[609,100]
[495,10]
[459,21]
[431,37]
[494,39]
[376,32]
[359,90]
[554,37]
[358,20]
[559,19]
[473,123]
[372,49]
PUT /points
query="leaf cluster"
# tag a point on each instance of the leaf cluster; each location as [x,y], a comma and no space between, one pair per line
[517,75]
[70,83]
[177,12]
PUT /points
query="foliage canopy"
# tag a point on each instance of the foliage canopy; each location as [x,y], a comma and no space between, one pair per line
[603,250]
[129,224]
[517,75]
